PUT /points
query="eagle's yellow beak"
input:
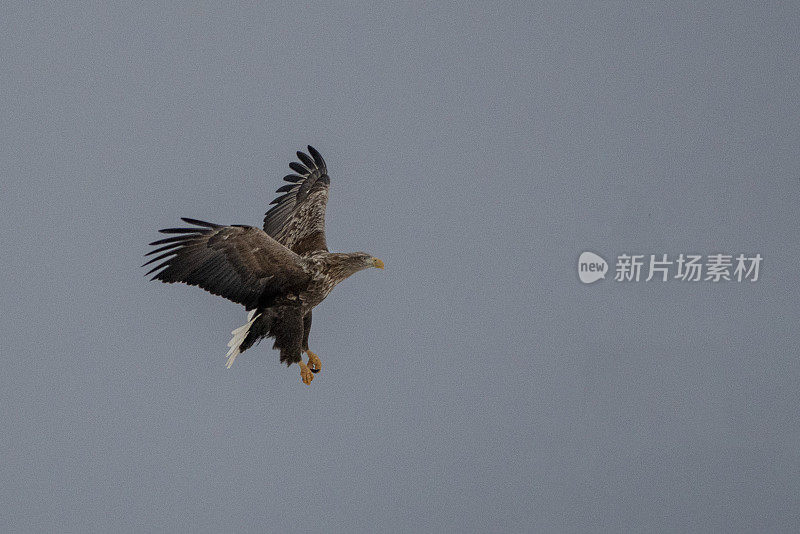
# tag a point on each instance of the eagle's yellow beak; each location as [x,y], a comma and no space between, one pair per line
[377,263]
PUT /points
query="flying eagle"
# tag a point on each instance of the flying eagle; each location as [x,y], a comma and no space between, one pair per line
[278,274]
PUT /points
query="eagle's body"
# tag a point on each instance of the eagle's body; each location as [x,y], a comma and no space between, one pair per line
[280,273]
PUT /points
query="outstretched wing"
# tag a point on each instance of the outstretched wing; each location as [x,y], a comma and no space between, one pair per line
[297,220]
[240,263]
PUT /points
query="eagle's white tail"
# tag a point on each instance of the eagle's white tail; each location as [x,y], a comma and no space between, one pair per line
[238,338]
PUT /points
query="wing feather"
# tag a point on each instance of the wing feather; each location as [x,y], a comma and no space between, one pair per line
[317,157]
[297,219]
[165,247]
[240,263]
[305,160]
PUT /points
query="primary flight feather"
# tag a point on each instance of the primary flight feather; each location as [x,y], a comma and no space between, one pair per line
[279,273]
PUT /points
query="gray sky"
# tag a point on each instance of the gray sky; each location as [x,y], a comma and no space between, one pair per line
[476,385]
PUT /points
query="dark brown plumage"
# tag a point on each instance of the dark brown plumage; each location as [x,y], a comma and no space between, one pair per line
[297,219]
[279,273]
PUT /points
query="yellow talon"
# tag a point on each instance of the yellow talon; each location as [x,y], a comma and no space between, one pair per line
[314,362]
[305,373]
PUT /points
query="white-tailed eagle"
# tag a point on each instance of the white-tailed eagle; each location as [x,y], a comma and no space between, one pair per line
[278,274]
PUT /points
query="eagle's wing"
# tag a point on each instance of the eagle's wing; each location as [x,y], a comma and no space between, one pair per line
[240,263]
[297,220]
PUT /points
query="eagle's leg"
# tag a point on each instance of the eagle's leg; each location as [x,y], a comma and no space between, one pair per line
[314,363]
[313,360]
[305,373]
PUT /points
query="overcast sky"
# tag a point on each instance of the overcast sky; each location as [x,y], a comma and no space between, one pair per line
[476,384]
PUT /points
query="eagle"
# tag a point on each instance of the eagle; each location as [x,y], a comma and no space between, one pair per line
[278,273]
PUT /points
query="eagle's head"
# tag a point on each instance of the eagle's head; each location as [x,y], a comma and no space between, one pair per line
[362,260]
[340,266]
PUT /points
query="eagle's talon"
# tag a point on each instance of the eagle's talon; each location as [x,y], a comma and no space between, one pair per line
[305,374]
[314,363]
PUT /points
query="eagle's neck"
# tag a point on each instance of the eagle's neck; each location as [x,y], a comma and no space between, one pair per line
[328,269]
